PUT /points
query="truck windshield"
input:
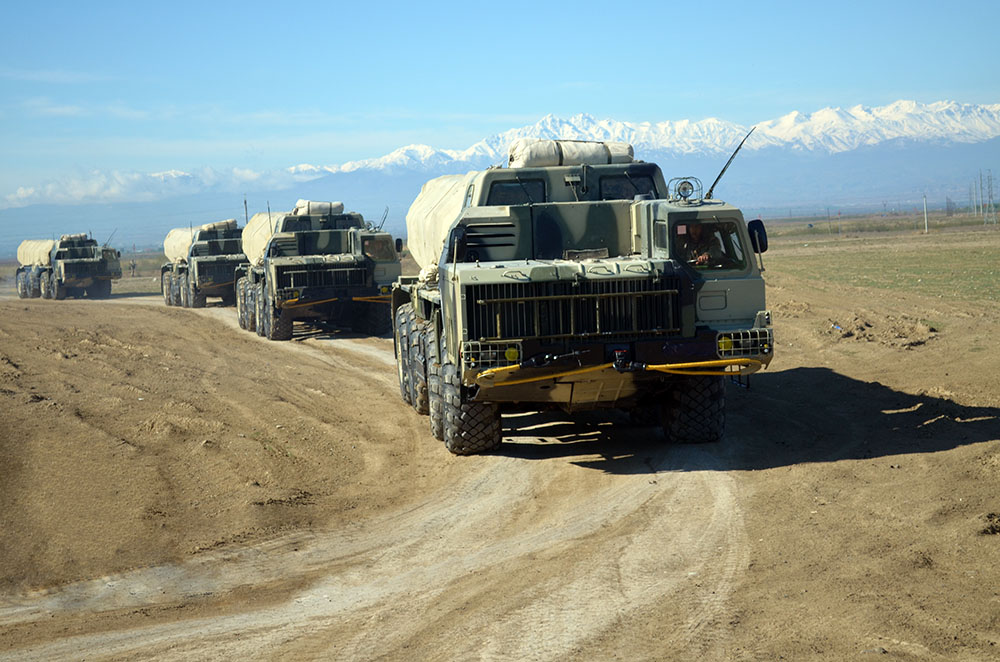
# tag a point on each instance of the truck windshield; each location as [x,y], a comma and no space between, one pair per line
[321,242]
[708,245]
[379,249]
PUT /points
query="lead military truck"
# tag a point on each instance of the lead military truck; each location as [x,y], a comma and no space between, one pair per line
[201,263]
[73,265]
[315,262]
[572,279]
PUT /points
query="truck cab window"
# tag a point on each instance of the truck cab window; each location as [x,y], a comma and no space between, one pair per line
[625,187]
[709,245]
[520,192]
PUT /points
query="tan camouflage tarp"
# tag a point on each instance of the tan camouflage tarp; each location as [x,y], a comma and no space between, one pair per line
[35,252]
[525,152]
[178,240]
[432,215]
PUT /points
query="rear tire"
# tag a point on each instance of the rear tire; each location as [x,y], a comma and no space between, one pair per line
[22,285]
[34,285]
[695,410]
[401,341]
[470,427]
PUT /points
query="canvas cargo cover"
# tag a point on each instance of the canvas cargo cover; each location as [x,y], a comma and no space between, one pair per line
[258,232]
[432,215]
[34,252]
[318,208]
[178,241]
[525,152]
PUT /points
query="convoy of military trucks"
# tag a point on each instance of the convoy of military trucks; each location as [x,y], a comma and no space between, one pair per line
[576,277]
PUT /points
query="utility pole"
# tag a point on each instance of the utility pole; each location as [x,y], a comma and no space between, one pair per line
[925,213]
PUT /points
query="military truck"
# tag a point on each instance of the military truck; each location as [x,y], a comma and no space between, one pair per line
[571,279]
[73,265]
[315,262]
[201,263]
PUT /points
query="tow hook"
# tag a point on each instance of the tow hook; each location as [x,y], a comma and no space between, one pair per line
[622,363]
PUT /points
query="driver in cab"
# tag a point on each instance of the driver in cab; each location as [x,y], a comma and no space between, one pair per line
[697,244]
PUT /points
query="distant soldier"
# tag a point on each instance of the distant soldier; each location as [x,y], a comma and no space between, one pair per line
[131,267]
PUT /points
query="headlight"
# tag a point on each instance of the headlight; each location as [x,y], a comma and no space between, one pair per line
[512,355]
[685,189]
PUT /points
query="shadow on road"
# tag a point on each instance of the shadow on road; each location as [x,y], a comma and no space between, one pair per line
[789,417]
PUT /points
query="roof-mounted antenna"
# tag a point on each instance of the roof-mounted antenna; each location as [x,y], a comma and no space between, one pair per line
[109,238]
[708,196]
[246,213]
[385,215]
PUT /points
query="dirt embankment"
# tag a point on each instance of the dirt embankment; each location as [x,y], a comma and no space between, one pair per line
[176,488]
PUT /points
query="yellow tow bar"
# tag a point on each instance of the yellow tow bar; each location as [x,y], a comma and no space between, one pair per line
[718,367]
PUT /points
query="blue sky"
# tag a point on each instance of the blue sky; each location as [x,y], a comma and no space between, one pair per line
[150,87]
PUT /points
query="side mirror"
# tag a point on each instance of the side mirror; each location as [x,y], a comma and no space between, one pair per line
[458,245]
[399,245]
[758,235]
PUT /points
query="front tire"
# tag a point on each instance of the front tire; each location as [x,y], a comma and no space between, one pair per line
[279,322]
[469,427]
[241,303]
[695,411]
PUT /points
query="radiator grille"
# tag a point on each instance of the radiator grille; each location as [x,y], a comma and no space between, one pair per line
[320,275]
[621,308]
[215,272]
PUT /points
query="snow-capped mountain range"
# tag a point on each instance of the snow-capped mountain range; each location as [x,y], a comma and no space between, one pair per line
[834,158]
[830,131]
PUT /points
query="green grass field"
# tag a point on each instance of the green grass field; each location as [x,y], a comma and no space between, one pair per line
[960,263]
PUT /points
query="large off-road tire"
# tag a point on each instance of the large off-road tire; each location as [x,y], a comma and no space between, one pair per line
[435,399]
[59,289]
[241,303]
[46,285]
[258,297]
[165,287]
[418,366]
[401,342]
[195,298]
[22,285]
[695,410]
[184,291]
[471,427]
[34,285]
[99,290]
[378,319]
[250,305]
[175,291]
[279,322]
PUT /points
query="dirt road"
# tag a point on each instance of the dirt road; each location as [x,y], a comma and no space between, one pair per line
[175,488]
